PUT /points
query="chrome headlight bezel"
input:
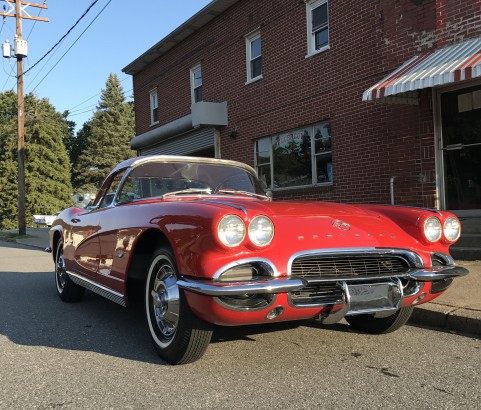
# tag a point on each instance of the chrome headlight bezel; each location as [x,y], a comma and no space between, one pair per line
[432,229]
[452,229]
[261,231]
[231,230]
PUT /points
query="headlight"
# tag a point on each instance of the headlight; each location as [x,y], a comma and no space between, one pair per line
[231,230]
[432,229]
[452,228]
[261,231]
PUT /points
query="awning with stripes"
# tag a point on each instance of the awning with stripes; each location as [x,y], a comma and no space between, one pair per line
[446,65]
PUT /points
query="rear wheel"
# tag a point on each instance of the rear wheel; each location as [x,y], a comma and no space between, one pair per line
[66,288]
[374,325]
[178,335]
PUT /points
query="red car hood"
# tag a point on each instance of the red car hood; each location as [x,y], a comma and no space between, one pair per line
[326,224]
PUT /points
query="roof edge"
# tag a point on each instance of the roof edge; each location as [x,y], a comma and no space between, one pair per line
[185,30]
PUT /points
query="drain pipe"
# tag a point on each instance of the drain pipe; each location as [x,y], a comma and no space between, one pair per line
[391,186]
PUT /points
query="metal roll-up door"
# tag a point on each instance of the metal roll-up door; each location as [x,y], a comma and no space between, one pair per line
[184,144]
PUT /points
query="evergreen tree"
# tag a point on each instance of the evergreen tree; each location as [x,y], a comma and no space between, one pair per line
[108,141]
[47,166]
[8,161]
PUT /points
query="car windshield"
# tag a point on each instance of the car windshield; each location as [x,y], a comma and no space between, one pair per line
[161,179]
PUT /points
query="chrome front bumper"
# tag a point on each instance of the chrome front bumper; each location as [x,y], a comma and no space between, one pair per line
[287,284]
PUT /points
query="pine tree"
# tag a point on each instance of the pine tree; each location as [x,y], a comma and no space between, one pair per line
[8,160]
[47,166]
[109,134]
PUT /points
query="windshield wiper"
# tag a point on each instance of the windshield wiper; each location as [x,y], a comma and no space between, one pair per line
[187,191]
[244,193]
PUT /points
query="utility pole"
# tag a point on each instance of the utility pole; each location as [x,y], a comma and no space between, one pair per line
[20,53]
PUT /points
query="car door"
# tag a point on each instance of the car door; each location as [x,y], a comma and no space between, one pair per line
[84,253]
[82,256]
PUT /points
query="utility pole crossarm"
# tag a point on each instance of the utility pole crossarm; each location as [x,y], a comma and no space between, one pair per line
[25,17]
[23,5]
[27,3]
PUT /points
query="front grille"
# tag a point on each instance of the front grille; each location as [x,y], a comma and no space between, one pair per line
[323,294]
[348,266]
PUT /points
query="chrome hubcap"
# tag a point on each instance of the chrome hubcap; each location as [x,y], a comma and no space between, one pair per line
[165,301]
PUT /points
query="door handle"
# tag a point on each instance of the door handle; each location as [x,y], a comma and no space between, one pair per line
[75,220]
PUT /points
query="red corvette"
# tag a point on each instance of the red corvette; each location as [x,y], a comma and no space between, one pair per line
[211,248]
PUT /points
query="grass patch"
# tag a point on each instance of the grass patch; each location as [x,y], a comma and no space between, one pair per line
[12,236]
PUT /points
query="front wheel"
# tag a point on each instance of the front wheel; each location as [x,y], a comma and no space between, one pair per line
[178,335]
[374,325]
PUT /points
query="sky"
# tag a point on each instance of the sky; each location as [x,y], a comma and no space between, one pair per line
[110,36]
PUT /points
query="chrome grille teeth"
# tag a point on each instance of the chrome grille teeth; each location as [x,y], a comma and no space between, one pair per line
[348,266]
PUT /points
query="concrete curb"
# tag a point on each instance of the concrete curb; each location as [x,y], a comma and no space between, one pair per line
[448,317]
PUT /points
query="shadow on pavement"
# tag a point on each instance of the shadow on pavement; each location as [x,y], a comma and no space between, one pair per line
[31,314]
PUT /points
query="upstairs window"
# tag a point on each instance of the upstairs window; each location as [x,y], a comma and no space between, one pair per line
[254,56]
[317,26]
[154,107]
[196,84]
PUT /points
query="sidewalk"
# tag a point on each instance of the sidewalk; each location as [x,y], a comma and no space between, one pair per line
[459,308]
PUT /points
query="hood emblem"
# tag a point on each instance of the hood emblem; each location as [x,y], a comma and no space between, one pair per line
[343,226]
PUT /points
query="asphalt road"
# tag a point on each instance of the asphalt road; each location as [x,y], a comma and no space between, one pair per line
[97,355]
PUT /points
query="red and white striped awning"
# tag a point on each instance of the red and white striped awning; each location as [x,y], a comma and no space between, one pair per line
[446,65]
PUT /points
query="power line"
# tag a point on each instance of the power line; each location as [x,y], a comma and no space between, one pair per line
[78,38]
[64,36]
[73,112]
[96,95]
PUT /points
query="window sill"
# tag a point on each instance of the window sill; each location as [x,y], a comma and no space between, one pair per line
[293,188]
[253,80]
[316,52]
[152,124]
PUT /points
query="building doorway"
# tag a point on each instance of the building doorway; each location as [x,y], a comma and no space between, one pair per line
[461,148]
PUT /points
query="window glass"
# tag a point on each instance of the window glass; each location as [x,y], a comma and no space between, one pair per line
[292,159]
[254,56]
[154,107]
[297,158]
[112,189]
[197,84]
[319,17]
[318,25]
[256,48]
[321,38]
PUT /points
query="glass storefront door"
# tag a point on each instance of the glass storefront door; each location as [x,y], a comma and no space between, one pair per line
[461,147]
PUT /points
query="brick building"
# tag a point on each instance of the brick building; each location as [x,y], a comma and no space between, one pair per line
[353,101]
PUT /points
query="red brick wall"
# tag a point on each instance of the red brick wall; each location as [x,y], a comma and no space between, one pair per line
[368,39]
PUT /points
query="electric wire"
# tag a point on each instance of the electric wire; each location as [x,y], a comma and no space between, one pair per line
[90,98]
[64,36]
[75,42]
[88,108]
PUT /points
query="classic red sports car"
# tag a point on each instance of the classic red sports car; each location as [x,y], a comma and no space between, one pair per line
[211,248]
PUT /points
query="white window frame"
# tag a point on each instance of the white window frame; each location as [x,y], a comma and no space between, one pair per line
[154,105]
[250,38]
[311,39]
[314,155]
[193,71]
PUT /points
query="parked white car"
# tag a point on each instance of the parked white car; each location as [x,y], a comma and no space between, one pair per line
[44,219]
